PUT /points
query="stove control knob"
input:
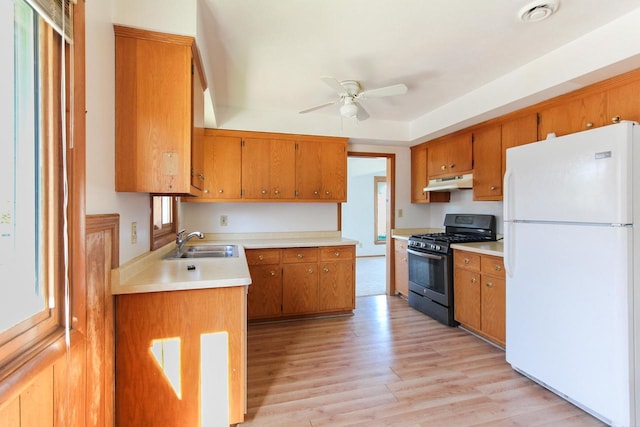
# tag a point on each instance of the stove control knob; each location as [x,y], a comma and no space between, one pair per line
[437,247]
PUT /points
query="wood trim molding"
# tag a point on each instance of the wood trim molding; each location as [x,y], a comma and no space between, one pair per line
[111,223]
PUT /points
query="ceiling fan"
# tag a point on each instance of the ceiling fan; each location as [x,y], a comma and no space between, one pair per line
[350,92]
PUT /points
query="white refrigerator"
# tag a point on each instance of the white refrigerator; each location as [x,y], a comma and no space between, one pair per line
[571,213]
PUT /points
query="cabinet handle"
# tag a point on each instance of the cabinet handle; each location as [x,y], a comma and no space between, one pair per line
[310,271]
[589,125]
[276,191]
[336,253]
[315,193]
[498,268]
[443,167]
[300,256]
[327,192]
[264,191]
[206,191]
[489,284]
[474,280]
[273,273]
[452,165]
[615,119]
[493,187]
[221,191]
[201,176]
[326,270]
[261,258]
[466,260]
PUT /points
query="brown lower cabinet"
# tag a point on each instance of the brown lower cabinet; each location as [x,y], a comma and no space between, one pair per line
[479,294]
[294,282]
[401,267]
[144,394]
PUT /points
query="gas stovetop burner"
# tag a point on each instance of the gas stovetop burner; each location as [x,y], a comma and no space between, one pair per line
[458,229]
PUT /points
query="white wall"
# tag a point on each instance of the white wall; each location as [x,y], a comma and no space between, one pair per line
[100,98]
[358,212]
[462,202]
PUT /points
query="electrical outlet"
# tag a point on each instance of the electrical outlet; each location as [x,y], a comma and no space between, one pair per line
[134,233]
[223,220]
[400,213]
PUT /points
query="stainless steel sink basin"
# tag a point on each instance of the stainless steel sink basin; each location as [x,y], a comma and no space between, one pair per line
[205,251]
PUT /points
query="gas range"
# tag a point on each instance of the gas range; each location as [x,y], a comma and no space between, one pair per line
[459,228]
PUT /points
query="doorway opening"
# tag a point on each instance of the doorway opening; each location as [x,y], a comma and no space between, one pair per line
[368,218]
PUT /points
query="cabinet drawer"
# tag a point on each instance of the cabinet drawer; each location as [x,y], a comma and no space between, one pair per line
[294,255]
[329,253]
[466,260]
[263,256]
[493,266]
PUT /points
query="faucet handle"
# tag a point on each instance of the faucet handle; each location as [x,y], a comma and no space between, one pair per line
[179,235]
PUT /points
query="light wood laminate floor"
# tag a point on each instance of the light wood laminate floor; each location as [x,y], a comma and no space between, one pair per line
[389,365]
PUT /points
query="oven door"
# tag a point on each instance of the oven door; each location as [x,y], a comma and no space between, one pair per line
[429,276]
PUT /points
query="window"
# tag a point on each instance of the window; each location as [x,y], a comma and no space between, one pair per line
[380,209]
[164,220]
[31,180]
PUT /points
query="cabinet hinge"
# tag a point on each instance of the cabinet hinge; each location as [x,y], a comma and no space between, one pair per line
[296,146]
[242,142]
[538,118]
[193,70]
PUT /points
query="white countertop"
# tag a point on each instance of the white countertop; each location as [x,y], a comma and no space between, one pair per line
[485,248]
[151,273]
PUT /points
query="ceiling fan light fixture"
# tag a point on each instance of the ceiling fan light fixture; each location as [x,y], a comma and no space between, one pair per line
[349,109]
[539,10]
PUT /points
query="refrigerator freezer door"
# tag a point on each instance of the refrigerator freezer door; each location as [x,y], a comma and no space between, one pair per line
[569,312]
[582,177]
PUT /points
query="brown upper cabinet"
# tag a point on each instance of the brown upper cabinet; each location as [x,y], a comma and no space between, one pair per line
[222,171]
[487,156]
[420,178]
[450,156]
[159,113]
[321,170]
[515,132]
[268,170]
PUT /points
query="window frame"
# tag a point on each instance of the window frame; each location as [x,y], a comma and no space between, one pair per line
[376,205]
[23,345]
[167,233]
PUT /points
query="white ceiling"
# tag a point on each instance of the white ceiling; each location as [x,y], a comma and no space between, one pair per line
[264,60]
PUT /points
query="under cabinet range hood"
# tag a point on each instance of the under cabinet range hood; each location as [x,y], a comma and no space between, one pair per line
[458,182]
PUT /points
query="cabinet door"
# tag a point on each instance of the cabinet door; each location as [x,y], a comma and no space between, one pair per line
[467,297]
[401,267]
[268,170]
[520,131]
[450,156]
[222,169]
[623,103]
[197,136]
[493,307]
[299,288]
[321,170]
[487,158]
[265,293]
[419,178]
[573,116]
[336,286]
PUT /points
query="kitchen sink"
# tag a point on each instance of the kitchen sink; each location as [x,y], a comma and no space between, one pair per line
[205,251]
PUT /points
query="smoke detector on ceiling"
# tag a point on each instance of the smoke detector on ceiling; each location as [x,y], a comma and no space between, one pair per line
[539,10]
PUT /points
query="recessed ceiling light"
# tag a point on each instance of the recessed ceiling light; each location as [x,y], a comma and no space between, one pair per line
[537,11]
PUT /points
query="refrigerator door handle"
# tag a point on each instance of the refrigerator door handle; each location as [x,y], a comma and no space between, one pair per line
[508,224]
[508,195]
[509,257]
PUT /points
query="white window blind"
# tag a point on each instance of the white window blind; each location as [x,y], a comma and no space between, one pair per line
[57,13]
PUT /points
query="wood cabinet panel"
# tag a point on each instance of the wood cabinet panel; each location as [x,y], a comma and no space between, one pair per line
[336,286]
[515,132]
[573,116]
[467,298]
[155,112]
[144,396]
[487,158]
[420,179]
[401,267]
[321,167]
[222,168]
[336,253]
[300,288]
[294,255]
[197,126]
[262,256]
[450,156]
[268,168]
[623,103]
[264,299]
[479,294]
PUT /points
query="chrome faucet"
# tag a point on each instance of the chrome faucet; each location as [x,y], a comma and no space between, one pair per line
[180,241]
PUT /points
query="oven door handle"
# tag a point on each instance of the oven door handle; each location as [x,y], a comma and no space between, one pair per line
[424,255]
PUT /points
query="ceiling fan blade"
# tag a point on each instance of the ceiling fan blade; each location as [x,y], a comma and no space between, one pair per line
[317,107]
[335,85]
[398,89]
[362,113]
